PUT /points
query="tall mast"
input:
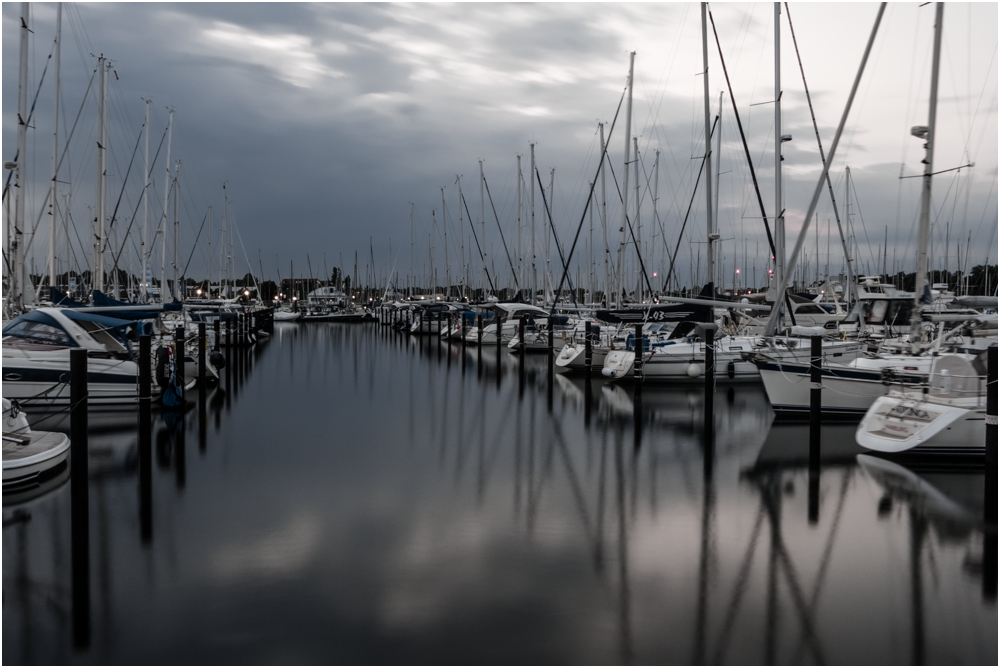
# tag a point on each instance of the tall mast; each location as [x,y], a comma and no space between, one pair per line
[549,233]
[55,149]
[638,223]
[534,270]
[102,144]
[520,254]
[145,205]
[718,167]
[590,248]
[604,221]
[628,146]
[482,222]
[447,269]
[925,196]
[656,206]
[18,272]
[710,246]
[163,218]
[412,245]
[461,231]
[178,291]
[779,212]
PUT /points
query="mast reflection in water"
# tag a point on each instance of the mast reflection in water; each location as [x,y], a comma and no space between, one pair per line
[361,497]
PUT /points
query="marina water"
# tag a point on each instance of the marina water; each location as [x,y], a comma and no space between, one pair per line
[359,496]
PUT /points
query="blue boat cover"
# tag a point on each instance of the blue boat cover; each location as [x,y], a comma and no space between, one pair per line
[59,299]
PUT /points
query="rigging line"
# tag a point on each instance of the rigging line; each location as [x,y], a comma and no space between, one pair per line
[195,246]
[28,121]
[673,257]
[41,210]
[743,138]
[628,221]
[236,227]
[122,191]
[502,238]
[822,154]
[554,235]
[590,197]
[478,247]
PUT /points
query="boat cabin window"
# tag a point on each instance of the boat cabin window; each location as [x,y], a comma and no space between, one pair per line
[38,333]
[809,309]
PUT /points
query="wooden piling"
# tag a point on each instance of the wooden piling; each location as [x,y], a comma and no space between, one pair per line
[80,497]
[815,416]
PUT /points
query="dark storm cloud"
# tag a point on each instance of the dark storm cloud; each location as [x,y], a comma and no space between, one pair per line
[326,121]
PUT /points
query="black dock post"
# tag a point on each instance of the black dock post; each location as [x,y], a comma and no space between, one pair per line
[218,342]
[80,497]
[588,349]
[229,355]
[465,332]
[638,348]
[708,331]
[179,360]
[552,366]
[499,320]
[202,376]
[145,440]
[815,415]
[990,486]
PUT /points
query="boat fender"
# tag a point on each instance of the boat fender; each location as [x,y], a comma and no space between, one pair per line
[217,359]
[164,369]
[731,369]
[694,370]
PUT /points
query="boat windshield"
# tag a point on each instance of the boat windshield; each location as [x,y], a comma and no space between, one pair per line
[37,333]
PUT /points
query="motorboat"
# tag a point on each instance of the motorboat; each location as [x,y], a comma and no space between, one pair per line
[36,347]
[945,416]
[28,455]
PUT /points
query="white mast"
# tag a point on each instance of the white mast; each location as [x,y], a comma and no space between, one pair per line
[638,224]
[520,255]
[604,222]
[18,273]
[163,219]
[590,246]
[656,206]
[779,212]
[412,244]
[482,222]
[178,292]
[548,236]
[98,281]
[447,269]
[628,146]
[718,166]
[461,231]
[145,207]
[925,195]
[55,150]
[534,271]
[710,248]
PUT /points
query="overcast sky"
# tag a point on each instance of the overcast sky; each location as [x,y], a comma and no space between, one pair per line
[326,121]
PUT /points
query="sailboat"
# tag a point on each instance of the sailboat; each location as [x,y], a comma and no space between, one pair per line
[949,412]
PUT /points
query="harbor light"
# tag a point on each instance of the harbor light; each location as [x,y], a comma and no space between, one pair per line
[246,293]
[198,292]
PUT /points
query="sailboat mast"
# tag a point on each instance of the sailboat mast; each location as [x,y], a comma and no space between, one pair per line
[98,278]
[534,270]
[447,269]
[55,149]
[548,234]
[628,146]
[145,208]
[919,302]
[604,220]
[178,292]
[638,223]
[656,206]
[482,223]
[520,254]
[779,213]
[163,218]
[710,246]
[410,279]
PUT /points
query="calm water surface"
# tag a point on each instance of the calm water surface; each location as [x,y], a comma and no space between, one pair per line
[359,497]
